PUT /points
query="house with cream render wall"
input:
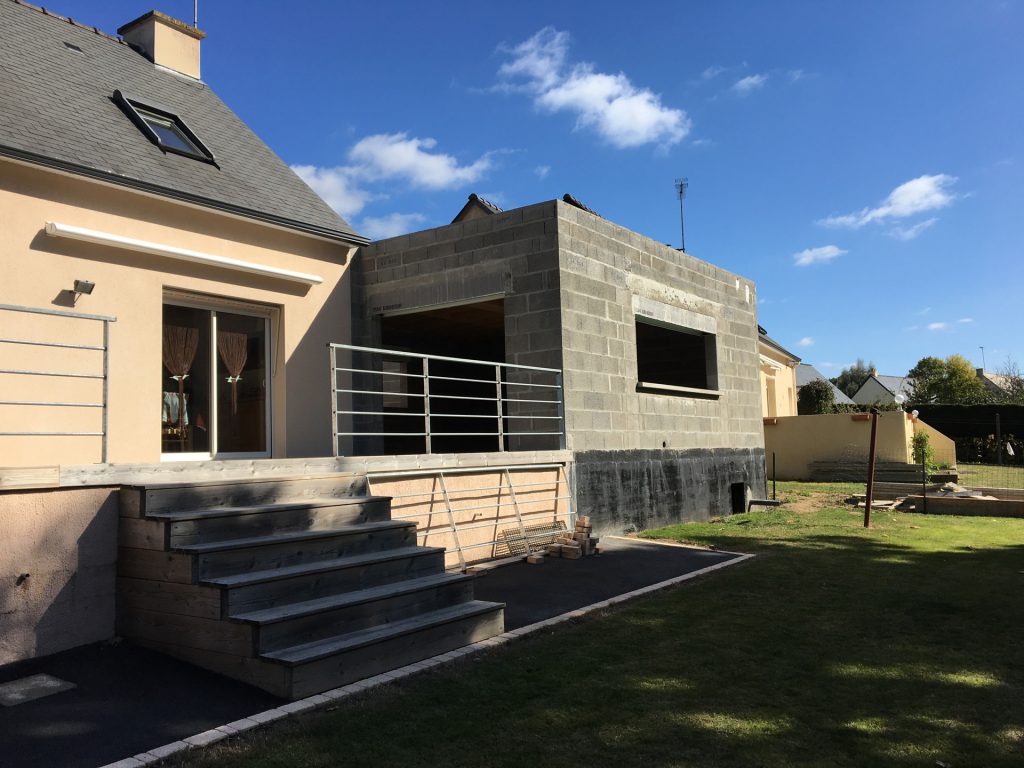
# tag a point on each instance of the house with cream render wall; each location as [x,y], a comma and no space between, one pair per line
[186,427]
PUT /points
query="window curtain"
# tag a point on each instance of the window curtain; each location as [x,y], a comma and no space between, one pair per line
[180,345]
[234,351]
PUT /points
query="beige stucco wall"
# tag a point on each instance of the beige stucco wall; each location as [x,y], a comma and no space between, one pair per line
[66,541]
[796,441]
[944,447]
[130,286]
[778,385]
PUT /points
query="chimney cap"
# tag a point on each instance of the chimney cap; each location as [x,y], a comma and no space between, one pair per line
[170,21]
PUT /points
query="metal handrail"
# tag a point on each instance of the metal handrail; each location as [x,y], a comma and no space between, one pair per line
[103,376]
[367,411]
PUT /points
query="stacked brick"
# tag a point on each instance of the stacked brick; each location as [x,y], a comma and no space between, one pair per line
[572,545]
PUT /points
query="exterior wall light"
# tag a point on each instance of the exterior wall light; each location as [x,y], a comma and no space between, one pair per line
[83,287]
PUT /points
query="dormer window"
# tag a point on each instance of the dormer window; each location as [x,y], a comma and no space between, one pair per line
[165,129]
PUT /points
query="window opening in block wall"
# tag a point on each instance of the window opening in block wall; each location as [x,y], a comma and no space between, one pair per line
[674,357]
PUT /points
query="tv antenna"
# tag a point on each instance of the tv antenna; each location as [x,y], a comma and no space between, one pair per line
[195,13]
[681,185]
[982,358]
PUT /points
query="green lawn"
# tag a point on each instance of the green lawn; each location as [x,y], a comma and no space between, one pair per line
[991,475]
[837,646]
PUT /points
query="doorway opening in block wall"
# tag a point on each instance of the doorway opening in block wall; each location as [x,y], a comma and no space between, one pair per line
[472,331]
[215,380]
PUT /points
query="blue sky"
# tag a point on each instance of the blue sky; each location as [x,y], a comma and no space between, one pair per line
[863,163]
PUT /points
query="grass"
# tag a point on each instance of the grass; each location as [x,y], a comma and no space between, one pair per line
[837,646]
[991,475]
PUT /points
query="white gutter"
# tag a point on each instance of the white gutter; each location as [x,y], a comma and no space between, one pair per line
[53,229]
[765,360]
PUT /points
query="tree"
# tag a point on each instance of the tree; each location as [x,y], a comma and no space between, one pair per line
[850,379]
[816,397]
[951,381]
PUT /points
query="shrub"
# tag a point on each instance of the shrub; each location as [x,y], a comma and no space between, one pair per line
[816,397]
[923,451]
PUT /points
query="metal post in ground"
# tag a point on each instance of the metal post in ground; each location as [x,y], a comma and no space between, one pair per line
[999,442]
[924,485]
[773,475]
[871,469]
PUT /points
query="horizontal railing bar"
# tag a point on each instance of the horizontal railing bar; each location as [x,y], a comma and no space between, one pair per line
[439,357]
[488,506]
[524,400]
[527,384]
[383,434]
[452,492]
[382,373]
[464,470]
[436,396]
[40,402]
[57,312]
[51,434]
[379,413]
[54,373]
[506,416]
[381,394]
[435,377]
[485,524]
[61,345]
[464,416]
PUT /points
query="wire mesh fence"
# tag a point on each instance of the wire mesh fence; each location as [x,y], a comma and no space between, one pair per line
[989,443]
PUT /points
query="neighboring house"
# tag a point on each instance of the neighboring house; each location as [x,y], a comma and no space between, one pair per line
[779,383]
[805,374]
[882,390]
[996,384]
[658,349]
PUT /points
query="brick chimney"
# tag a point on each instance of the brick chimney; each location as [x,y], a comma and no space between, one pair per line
[165,41]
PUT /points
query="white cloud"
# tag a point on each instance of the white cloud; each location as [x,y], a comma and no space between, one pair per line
[702,142]
[966,320]
[923,311]
[542,171]
[381,227]
[396,155]
[712,72]
[806,341]
[925,193]
[609,104]
[796,75]
[749,84]
[909,233]
[337,187]
[937,326]
[820,255]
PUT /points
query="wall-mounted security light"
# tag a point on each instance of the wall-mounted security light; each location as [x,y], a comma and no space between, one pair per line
[83,287]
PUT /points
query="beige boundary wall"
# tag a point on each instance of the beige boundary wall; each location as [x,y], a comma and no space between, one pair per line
[796,441]
[38,270]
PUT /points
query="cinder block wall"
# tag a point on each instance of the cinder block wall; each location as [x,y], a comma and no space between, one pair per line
[511,254]
[645,459]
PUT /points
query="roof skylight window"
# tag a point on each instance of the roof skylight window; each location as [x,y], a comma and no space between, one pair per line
[164,128]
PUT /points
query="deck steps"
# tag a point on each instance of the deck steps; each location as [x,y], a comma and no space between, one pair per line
[296,585]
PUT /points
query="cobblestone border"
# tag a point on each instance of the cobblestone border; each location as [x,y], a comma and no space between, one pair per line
[214,735]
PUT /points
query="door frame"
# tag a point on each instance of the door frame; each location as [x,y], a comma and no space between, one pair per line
[214,304]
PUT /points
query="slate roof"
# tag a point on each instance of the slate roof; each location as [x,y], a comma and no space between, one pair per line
[898,385]
[56,109]
[763,336]
[805,374]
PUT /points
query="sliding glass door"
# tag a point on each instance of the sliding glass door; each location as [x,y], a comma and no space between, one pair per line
[215,398]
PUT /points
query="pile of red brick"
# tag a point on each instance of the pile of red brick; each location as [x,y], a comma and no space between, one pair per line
[572,545]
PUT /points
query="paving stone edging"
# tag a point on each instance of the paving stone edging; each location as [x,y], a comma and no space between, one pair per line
[219,733]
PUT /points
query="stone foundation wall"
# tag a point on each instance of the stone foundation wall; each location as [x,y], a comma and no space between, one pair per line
[627,491]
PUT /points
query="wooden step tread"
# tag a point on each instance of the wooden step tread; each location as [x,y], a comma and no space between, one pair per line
[318,566]
[307,652]
[311,607]
[270,539]
[255,509]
